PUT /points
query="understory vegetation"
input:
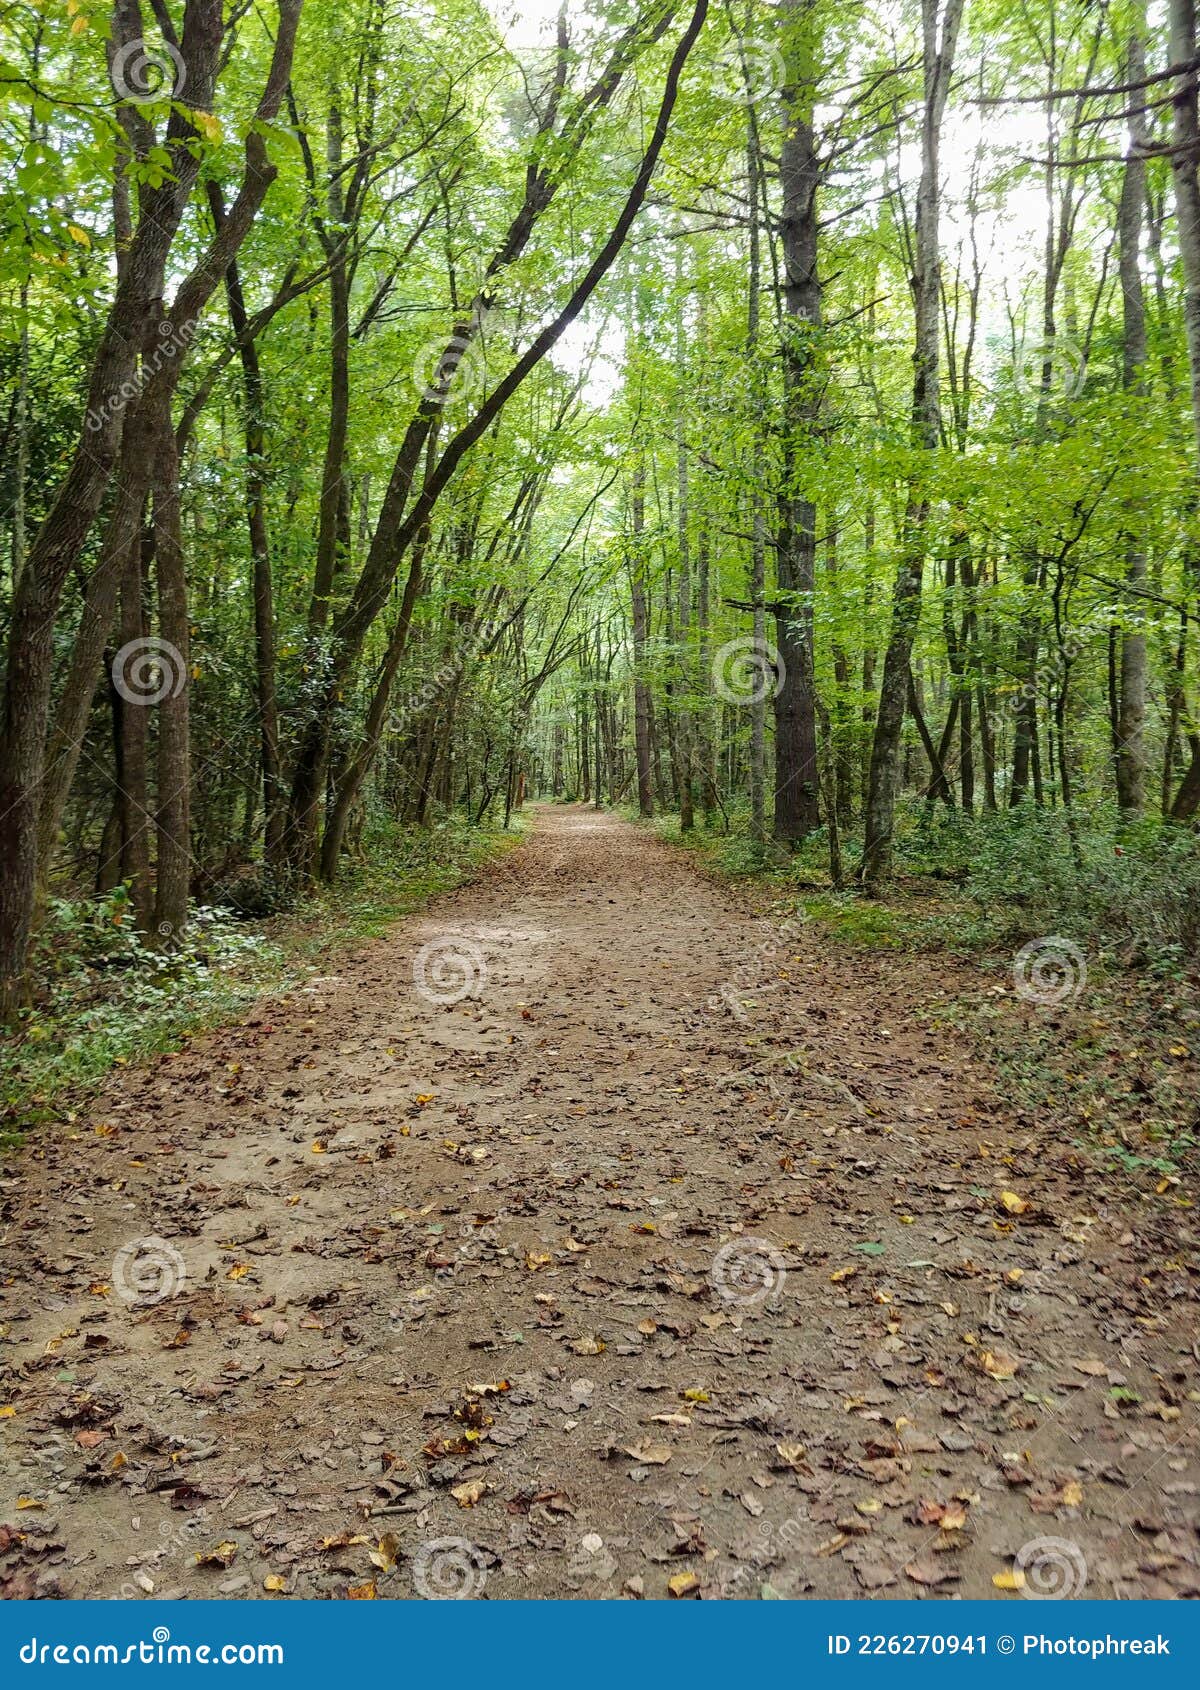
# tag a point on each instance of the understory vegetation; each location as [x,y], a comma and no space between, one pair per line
[106,997]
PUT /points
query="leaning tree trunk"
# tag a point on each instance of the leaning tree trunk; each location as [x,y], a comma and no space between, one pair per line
[64,533]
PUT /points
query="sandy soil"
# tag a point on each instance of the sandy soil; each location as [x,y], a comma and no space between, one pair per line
[671,1259]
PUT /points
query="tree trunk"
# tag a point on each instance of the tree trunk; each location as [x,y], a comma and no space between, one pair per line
[797,775]
[641,687]
[940,40]
[1131,720]
[260,550]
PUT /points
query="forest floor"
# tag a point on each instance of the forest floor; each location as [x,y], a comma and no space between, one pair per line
[685,1257]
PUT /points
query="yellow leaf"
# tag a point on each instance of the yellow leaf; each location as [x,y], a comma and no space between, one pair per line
[842,1273]
[1071,1495]
[386,1555]
[274,1582]
[29,1502]
[80,236]
[696,1396]
[683,1584]
[7,1412]
[319,1148]
[469,1493]
[998,1364]
[1014,1204]
[1013,1580]
[239,1270]
[79,26]
[363,1592]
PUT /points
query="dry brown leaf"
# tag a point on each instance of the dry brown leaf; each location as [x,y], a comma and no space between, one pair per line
[650,1455]
[999,1364]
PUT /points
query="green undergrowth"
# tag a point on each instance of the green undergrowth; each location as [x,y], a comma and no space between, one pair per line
[102,998]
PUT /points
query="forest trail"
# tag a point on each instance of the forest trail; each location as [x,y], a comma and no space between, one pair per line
[664,1258]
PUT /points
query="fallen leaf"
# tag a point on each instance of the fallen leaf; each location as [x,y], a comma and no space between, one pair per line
[651,1455]
[1013,1204]
[387,1554]
[683,1584]
[792,1455]
[1014,1580]
[930,1571]
[222,1556]
[469,1493]
[998,1364]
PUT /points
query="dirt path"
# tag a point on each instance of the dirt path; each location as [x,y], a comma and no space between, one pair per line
[665,1257]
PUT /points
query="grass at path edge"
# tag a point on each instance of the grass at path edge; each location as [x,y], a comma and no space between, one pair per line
[104,1001]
